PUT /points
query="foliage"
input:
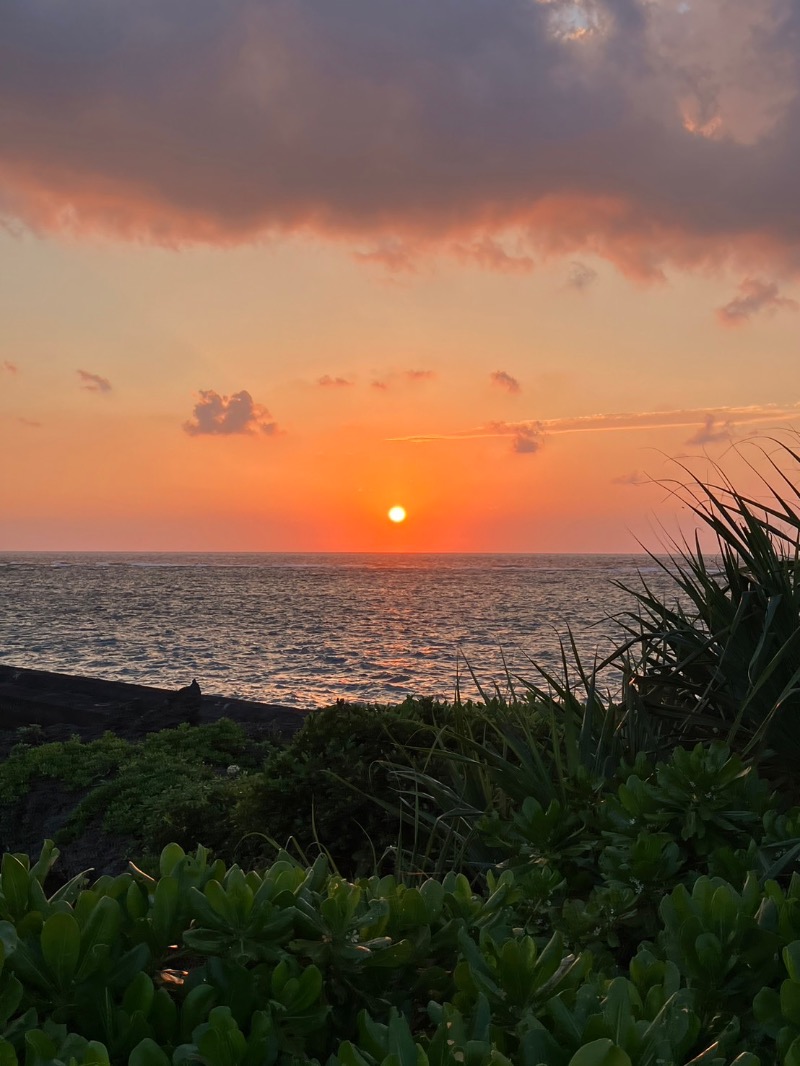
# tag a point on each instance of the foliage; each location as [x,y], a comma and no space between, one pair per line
[171,786]
[330,785]
[721,659]
[213,964]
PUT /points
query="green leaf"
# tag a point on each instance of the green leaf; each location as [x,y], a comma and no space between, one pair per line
[61,947]
[10,997]
[14,880]
[601,1052]
[165,908]
[40,1045]
[791,959]
[348,1055]
[170,857]
[195,1009]
[792,1056]
[139,995]
[100,933]
[8,939]
[401,1042]
[148,1053]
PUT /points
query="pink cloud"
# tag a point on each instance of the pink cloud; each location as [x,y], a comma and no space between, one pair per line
[224,416]
[93,382]
[755,297]
[9,367]
[504,133]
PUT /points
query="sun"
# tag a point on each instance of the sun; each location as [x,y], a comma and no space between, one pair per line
[397,514]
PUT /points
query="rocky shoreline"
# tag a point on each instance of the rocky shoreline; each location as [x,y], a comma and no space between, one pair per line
[65,705]
[37,706]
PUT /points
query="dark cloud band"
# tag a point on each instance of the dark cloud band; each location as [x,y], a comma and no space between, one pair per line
[632,130]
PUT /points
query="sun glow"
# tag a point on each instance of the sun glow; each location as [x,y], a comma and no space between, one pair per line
[397,514]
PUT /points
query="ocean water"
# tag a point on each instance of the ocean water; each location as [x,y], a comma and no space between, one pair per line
[306,630]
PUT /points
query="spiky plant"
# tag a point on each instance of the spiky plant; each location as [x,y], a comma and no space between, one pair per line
[723,658]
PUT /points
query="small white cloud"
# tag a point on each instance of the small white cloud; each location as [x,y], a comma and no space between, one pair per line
[223,416]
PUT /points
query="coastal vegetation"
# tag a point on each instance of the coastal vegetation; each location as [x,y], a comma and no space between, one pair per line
[565,873]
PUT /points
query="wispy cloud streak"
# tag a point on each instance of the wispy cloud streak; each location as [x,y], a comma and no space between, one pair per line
[709,421]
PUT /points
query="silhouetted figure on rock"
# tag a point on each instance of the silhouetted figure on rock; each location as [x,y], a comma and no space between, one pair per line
[188,700]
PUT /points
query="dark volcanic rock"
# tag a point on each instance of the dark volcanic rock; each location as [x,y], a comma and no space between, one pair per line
[63,704]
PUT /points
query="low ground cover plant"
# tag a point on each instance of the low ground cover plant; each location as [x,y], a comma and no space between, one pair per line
[212,964]
[173,785]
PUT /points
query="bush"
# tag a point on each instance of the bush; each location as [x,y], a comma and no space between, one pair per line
[331,785]
[297,965]
[172,785]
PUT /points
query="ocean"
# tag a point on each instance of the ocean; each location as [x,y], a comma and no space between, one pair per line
[306,630]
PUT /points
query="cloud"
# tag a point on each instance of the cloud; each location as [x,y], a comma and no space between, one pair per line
[9,367]
[526,440]
[93,382]
[392,254]
[328,382]
[717,424]
[650,134]
[580,276]
[755,297]
[711,432]
[411,376]
[223,416]
[634,478]
[505,381]
[31,423]
[492,255]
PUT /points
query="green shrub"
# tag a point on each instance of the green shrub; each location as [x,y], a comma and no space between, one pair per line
[173,785]
[297,965]
[330,786]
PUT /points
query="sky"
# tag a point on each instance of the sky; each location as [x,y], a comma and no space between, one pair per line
[270,267]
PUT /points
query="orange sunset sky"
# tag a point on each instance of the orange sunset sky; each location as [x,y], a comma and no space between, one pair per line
[268,268]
